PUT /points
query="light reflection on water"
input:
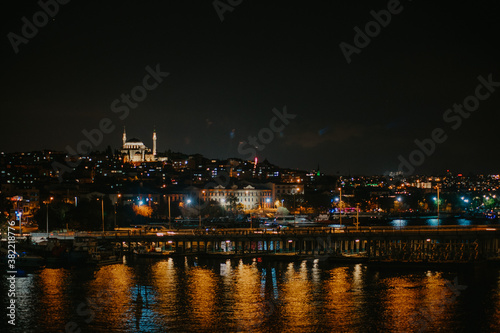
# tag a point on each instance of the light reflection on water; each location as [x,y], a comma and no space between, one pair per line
[341,300]
[431,222]
[297,298]
[183,295]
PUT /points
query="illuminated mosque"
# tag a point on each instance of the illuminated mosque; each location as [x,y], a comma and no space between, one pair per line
[134,150]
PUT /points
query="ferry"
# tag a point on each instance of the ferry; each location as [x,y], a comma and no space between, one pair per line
[295,221]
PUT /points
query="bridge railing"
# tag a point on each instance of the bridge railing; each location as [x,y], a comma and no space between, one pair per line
[289,232]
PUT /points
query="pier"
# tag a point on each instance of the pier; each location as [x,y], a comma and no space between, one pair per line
[443,244]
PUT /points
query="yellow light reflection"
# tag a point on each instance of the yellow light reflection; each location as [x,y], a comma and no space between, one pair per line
[165,281]
[402,299]
[298,307]
[339,300]
[416,304]
[249,310]
[53,284]
[202,289]
[110,294]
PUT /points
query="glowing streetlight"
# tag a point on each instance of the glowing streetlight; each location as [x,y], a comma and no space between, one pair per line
[340,206]
[102,212]
[437,188]
[48,202]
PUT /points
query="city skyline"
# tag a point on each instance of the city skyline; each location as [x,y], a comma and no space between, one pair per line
[209,80]
[250,166]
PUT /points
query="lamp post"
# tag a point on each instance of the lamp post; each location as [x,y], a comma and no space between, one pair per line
[188,203]
[199,210]
[283,205]
[437,205]
[340,206]
[102,212]
[295,191]
[399,208]
[169,218]
[357,217]
[19,216]
[47,215]
[116,206]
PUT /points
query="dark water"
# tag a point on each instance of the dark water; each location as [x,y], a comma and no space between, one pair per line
[435,222]
[189,295]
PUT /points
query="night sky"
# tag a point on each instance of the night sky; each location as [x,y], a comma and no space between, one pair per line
[225,78]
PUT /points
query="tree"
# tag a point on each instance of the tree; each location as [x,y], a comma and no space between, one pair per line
[282,211]
[88,215]
[143,210]
[213,209]
[240,208]
[233,203]
[59,213]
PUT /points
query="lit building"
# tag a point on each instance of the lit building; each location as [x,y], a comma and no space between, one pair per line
[282,190]
[134,150]
[248,196]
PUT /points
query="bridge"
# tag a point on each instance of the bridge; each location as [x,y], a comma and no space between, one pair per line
[436,244]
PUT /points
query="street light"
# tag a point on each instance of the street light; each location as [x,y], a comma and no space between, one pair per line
[199,208]
[340,206]
[19,215]
[357,218]
[115,206]
[102,212]
[437,187]
[169,215]
[294,200]
[399,208]
[47,208]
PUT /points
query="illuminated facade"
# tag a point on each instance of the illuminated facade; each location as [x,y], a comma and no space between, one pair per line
[134,150]
[248,196]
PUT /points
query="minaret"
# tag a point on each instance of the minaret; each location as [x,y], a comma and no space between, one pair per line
[124,138]
[154,143]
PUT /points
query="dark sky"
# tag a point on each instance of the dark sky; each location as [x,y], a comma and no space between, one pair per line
[226,78]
